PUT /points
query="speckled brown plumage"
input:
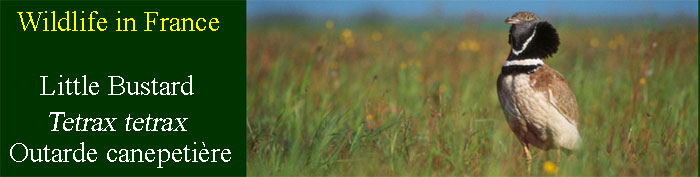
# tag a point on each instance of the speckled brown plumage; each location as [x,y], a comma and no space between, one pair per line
[547,78]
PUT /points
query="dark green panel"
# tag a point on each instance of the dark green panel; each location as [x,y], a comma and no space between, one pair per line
[214,59]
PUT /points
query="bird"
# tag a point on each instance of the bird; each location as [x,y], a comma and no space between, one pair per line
[538,103]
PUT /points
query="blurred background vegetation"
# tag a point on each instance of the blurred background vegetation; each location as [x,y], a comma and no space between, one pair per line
[380,91]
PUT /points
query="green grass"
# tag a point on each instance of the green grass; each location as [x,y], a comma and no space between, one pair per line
[421,101]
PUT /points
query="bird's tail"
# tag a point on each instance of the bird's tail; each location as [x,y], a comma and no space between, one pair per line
[571,142]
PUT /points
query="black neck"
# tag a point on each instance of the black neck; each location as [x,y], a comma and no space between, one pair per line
[537,41]
[519,69]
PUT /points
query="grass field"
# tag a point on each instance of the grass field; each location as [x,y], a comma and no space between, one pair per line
[353,98]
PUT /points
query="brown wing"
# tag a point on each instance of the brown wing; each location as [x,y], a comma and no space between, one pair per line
[549,80]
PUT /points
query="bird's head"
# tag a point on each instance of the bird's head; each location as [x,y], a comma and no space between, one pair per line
[522,22]
[520,18]
[531,37]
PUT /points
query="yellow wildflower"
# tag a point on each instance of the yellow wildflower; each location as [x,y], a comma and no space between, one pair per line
[642,81]
[550,168]
[347,34]
[403,65]
[474,46]
[443,88]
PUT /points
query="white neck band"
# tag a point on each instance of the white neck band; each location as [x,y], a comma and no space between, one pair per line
[524,62]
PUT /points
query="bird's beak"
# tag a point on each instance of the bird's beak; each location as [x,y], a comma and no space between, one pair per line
[511,20]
